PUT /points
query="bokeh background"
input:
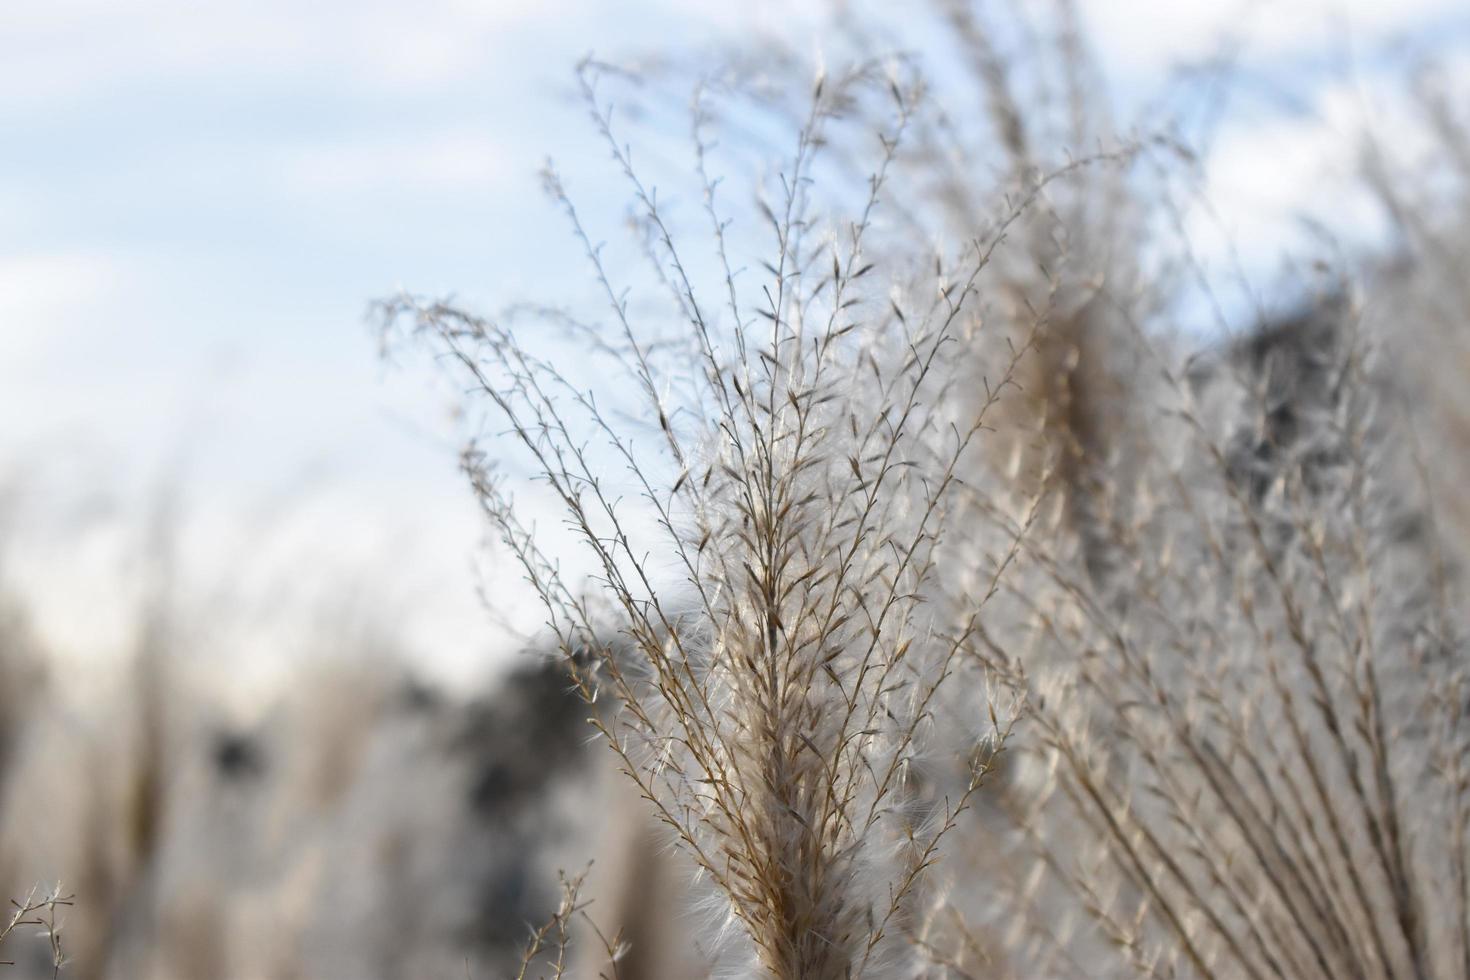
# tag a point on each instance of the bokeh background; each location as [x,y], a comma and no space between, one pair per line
[235,543]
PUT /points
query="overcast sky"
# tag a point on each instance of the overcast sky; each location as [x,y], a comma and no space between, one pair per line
[199,199]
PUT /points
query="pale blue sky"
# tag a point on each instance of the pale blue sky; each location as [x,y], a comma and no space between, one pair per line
[200,198]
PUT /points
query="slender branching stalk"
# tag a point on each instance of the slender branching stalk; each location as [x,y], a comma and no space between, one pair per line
[775,689]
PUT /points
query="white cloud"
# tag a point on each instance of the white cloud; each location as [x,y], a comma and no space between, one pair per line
[455,160]
[1266,176]
[44,295]
[62,48]
[1148,35]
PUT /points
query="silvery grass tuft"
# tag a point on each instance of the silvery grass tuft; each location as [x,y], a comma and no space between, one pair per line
[772,693]
[1223,574]
[1241,629]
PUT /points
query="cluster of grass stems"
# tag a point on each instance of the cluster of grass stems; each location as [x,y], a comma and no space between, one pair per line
[37,911]
[851,525]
